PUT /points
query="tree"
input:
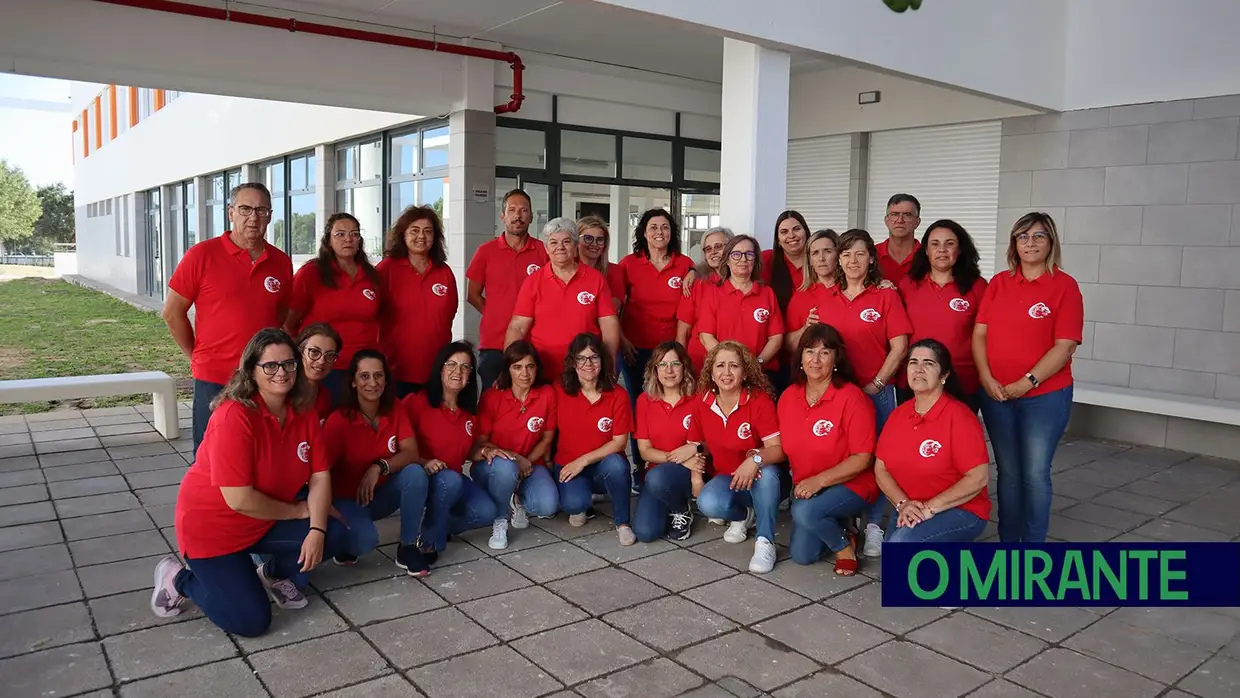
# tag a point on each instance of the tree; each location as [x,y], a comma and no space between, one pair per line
[902,5]
[19,206]
[56,224]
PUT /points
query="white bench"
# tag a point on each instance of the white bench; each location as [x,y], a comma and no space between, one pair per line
[1167,404]
[160,385]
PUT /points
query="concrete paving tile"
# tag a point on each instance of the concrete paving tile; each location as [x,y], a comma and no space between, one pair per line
[1000,688]
[137,426]
[40,419]
[13,427]
[130,611]
[760,661]
[1212,512]
[166,648]
[49,447]
[1142,651]
[865,603]
[1199,627]
[125,546]
[45,435]
[14,451]
[80,471]
[558,526]
[906,670]
[90,486]
[670,623]
[607,546]
[458,551]
[96,504]
[24,494]
[828,683]
[553,561]
[815,582]
[86,527]
[18,478]
[35,512]
[140,450]
[163,514]
[1063,528]
[522,612]
[656,678]
[17,438]
[1218,677]
[474,580]
[55,460]
[14,462]
[978,642]
[605,590]
[575,653]
[384,599]
[369,568]
[428,637]
[1049,624]
[156,478]
[158,496]
[63,671]
[746,598]
[1062,673]
[143,464]
[1141,504]
[524,539]
[228,678]
[118,441]
[679,570]
[1177,532]
[734,555]
[290,626]
[1098,514]
[497,672]
[31,561]
[44,628]
[29,535]
[297,670]
[393,686]
[822,633]
[116,577]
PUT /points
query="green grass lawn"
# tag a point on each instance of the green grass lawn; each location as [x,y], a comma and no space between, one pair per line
[51,328]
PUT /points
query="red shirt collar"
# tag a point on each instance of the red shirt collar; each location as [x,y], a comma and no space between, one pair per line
[529,242]
[233,249]
[933,413]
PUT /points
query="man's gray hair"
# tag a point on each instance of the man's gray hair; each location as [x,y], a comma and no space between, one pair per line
[561,225]
[256,186]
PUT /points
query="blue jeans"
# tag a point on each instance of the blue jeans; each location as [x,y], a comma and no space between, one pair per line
[228,591]
[455,505]
[498,478]
[204,393]
[490,363]
[667,489]
[884,404]
[1024,434]
[718,501]
[951,526]
[363,536]
[634,376]
[816,522]
[405,490]
[540,495]
[610,475]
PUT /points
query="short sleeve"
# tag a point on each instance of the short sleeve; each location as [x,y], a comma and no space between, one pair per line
[320,457]
[776,321]
[859,423]
[552,422]
[898,322]
[798,310]
[477,269]
[303,289]
[229,443]
[603,300]
[968,440]
[410,407]
[335,436]
[453,299]
[486,413]
[686,310]
[642,429]
[765,419]
[1070,320]
[526,297]
[404,425]
[707,313]
[617,281]
[622,420]
[187,277]
[988,299]
[888,442]
[695,423]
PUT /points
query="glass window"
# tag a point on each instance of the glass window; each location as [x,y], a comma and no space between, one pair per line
[217,188]
[370,161]
[701,165]
[366,204]
[698,213]
[191,192]
[645,158]
[346,163]
[592,154]
[621,206]
[234,178]
[519,147]
[404,195]
[304,234]
[435,147]
[405,154]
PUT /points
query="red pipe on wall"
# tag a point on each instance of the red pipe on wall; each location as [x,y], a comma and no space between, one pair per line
[293,25]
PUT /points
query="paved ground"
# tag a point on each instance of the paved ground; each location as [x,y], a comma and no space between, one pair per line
[86,510]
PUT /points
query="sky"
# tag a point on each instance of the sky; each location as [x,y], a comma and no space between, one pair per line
[36,128]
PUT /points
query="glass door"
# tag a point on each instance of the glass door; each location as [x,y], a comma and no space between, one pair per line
[154,246]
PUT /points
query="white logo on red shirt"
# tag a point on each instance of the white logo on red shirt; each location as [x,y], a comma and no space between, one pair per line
[531,269]
[929,448]
[272,284]
[535,424]
[369,293]
[688,420]
[469,427]
[823,427]
[585,298]
[959,305]
[674,282]
[303,452]
[761,315]
[1037,311]
[439,290]
[871,315]
[744,431]
[604,424]
[392,444]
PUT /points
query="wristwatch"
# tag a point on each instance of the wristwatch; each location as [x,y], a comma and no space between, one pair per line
[384,468]
[757,457]
[1033,379]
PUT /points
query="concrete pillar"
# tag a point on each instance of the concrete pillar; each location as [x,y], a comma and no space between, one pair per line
[754,159]
[249,173]
[621,236]
[324,178]
[858,180]
[202,190]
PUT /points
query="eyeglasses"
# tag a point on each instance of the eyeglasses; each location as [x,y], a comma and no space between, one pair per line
[593,240]
[587,360]
[314,354]
[901,215]
[271,367]
[453,367]
[717,247]
[1038,237]
[738,255]
[664,365]
[247,211]
[342,234]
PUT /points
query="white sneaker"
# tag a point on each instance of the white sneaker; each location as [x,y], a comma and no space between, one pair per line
[717,522]
[873,541]
[763,559]
[578,520]
[786,504]
[520,519]
[738,531]
[499,535]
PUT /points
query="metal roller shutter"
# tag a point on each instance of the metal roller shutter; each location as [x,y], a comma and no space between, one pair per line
[952,170]
[818,172]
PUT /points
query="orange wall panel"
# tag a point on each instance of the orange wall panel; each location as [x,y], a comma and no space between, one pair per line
[133,107]
[85,134]
[160,96]
[98,123]
[111,112]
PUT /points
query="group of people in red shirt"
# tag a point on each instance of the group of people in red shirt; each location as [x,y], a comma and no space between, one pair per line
[838,375]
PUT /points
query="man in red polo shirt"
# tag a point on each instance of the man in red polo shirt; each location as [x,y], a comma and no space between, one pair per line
[895,254]
[494,277]
[238,284]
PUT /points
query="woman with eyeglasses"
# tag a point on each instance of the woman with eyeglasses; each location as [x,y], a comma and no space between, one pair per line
[1031,322]
[443,416]
[743,309]
[320,348]
[675,469]
[418,297]
[693,298]
[339,288]
[516,425]
[594,421]
[240,497]
[594,236]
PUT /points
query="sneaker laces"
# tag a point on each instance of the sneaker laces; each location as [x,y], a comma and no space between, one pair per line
[499,526]
[287,589]
[680,520]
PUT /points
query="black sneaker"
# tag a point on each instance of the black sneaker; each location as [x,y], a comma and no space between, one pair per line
[682,525]
[411,560]
[345,560]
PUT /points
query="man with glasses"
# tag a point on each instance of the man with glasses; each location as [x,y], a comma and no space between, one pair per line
[895,254]
[237,284]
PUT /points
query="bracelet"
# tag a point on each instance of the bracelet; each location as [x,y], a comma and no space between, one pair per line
[901,503]
[384,468]
[878,383]
[319,529]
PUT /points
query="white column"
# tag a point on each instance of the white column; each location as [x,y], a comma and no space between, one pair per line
[324,184]
[754,160]
[621,238]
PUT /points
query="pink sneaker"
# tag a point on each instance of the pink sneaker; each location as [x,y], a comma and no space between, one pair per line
[165,599]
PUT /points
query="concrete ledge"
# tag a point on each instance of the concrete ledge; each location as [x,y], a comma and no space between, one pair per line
[160,385]
[1165,404]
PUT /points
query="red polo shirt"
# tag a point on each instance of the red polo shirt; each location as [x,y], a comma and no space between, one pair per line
[351,307]
[819,437]
[729,437]
[514,425]
[665,426]
[561,311]
[768,268]
[442,433]
[947,315]
[418,310]
[1024,318]
[928,454]
[653,298]
[354,445]
[585,426]
[322,404]
[244,447]
[749,318]
[689,311]
[892,270]
[233,298]
[867,323]
[501,270]
[615,281]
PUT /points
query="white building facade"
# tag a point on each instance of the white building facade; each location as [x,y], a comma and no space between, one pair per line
[724,112]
